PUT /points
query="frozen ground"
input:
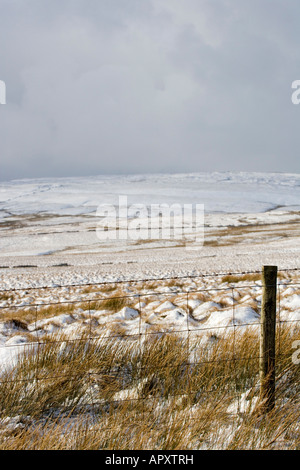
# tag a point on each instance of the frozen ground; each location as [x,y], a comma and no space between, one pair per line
[202,307]
[49,238]
[50,231]
[50,227]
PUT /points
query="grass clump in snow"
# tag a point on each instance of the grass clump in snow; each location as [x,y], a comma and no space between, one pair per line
[160,391]
[114,304]
[234,278]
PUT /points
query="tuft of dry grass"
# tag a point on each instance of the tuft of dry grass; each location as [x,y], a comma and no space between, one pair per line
[6,296]
[248,277]
[114,304]
[26,315]
[159,391]
[251,277]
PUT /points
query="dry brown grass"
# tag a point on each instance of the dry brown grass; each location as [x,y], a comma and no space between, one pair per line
[164,392]
[249,277]
[99,289]
[114,304]
[26,315]
[154,391]
[6,296]
[234,278]
[257,233]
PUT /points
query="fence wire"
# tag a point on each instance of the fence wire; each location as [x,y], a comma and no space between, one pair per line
[104,366]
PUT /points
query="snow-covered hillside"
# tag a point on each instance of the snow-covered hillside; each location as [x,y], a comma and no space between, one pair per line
[58,279]
[219,192]
[49,227]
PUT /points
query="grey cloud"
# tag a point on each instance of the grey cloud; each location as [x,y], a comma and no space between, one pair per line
[160,85]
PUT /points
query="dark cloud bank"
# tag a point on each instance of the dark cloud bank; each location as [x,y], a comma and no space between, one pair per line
[131,86]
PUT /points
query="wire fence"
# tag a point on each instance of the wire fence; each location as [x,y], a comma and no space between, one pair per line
[139,343]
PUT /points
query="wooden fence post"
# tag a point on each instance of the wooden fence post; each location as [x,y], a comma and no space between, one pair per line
[267,338]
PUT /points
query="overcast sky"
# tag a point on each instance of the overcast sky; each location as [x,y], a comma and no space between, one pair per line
[133,86]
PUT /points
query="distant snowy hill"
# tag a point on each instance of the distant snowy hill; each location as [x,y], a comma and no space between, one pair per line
[218,191]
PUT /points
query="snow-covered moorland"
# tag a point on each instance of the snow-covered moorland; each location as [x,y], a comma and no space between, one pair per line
[60,281]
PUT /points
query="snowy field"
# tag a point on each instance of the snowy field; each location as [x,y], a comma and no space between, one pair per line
[56,272]
[250,219]
[49,238]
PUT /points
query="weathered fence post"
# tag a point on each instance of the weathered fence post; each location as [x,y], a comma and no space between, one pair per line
[267,338]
